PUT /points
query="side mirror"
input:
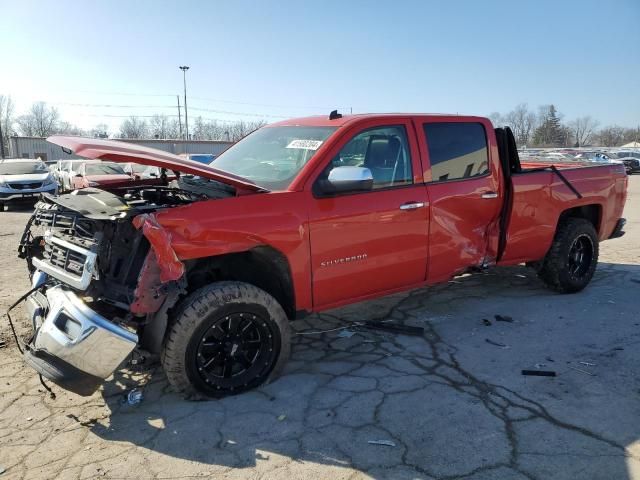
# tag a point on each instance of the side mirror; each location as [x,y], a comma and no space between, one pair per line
[347,179]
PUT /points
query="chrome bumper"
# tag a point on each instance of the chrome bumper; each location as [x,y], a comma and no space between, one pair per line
[74,336]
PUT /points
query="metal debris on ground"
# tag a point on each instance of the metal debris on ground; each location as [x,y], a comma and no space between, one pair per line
[2,470]
[134,397]
[386,443]
[539,373]
[587,364]
[503,318]
[581,371]
[394,328]
[281,417]
[497,344]
[540,365]
[3,344]
[346,333]
[487,322]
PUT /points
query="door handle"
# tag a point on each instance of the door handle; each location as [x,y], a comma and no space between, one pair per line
[411,205]
[489,195]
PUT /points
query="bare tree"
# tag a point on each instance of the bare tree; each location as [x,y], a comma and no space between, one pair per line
[40,121]
[611,136]
[134,127]
[6,120]
[100,131]
[523,123]
[496,119]
[66,128]
[583,129]
[163,127]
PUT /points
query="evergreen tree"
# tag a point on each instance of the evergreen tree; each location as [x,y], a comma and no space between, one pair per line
[551,132]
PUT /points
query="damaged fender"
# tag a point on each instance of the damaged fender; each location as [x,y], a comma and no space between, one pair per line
[171,268]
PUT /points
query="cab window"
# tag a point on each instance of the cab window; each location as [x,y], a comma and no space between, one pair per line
[384,151]
[457,150]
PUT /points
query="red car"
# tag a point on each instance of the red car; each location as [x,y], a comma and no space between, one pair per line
[100,174]
[301,216]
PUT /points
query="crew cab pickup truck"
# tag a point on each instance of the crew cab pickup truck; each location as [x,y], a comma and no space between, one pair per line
[300,216]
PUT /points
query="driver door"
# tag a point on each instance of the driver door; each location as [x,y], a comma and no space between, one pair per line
[366,243]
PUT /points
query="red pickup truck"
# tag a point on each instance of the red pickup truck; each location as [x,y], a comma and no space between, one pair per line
[300,216]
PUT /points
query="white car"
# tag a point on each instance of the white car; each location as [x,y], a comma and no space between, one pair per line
[24,179]
[67,170]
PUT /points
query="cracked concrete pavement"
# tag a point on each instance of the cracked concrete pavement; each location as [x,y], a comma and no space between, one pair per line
[453,404]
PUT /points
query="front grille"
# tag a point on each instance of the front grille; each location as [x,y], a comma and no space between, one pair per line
[68,224]
[64,258]
[25,186]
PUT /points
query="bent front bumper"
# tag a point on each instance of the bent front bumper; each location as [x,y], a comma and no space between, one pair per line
[74,346]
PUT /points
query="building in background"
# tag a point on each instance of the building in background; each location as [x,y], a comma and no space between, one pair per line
[34,147]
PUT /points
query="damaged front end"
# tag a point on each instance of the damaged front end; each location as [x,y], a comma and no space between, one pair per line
[93,260]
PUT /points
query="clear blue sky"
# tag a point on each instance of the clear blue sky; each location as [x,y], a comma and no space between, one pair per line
[294,58]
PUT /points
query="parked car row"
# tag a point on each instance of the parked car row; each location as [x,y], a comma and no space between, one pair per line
[26,179]
[630,158]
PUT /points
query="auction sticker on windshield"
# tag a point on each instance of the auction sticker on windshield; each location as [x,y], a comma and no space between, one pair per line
[305,144]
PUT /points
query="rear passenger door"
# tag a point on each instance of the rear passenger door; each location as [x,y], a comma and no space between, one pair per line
[463,182]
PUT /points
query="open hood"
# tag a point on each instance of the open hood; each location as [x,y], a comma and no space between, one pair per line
[124,152]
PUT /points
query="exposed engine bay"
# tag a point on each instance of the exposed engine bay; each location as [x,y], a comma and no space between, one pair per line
[87,239]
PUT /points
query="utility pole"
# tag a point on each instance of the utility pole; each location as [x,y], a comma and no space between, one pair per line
[179,115]
[184,69]
[1,141]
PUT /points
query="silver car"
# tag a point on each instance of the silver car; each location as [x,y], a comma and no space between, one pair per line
[23,179]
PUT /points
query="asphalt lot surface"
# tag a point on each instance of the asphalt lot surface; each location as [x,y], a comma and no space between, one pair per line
[451,404]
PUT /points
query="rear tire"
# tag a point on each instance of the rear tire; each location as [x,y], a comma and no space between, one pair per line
[227,338]
[572,259]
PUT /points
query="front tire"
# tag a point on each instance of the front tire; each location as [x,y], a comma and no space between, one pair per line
[572,259]
[227,338]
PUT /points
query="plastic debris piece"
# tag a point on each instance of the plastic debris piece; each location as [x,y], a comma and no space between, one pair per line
[503,318]
[29,419]
[497,344]
[3,344]
[2,469]
[281,417]
[588,364]
[346,333]
[134,397]
[232,442]
[539,373]
[540,365]
[386,443]
[549,359]
[581,371]
[486,321]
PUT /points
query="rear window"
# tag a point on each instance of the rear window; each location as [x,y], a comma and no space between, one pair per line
[103,169]
[456,150]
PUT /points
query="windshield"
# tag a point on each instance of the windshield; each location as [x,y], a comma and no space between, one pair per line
[22,168]
[103,169]
[272,156]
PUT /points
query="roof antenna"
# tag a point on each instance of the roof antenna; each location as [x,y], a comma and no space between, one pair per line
[335,115]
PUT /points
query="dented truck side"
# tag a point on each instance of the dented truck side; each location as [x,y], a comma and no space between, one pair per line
[207,271]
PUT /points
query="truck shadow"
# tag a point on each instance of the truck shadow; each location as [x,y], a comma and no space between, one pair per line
[446,403]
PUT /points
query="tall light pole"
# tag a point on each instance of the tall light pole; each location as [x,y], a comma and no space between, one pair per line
[184,69]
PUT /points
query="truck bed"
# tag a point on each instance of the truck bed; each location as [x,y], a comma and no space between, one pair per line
[540,197]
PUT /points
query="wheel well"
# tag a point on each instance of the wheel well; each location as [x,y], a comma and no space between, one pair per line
[592,213]
[264,267]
